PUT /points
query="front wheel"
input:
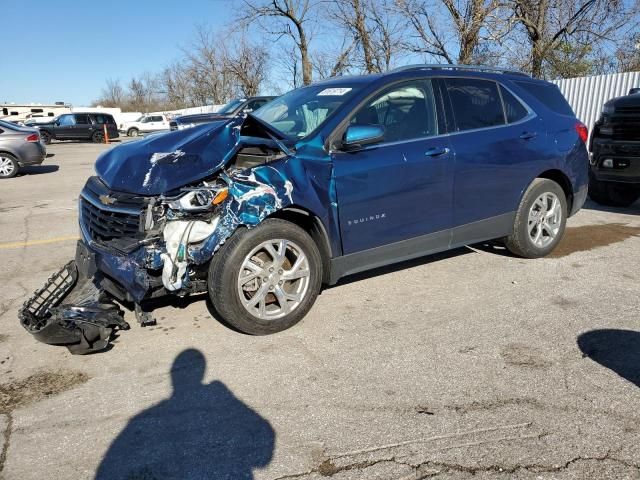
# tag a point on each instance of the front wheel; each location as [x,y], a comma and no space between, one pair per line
[540,220]
[132,132]
[265,280]
[45,137]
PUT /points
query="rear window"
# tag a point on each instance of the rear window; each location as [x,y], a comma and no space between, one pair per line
[104,119]
[476,103]
[549,95]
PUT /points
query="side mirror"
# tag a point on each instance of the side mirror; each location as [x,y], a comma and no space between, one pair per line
[358,136]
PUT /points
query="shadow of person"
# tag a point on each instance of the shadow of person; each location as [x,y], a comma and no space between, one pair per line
[618,350]
[201,432]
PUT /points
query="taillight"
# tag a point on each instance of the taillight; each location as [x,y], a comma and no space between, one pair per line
[34,137]
[583,131]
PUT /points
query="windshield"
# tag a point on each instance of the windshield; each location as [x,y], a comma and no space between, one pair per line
[231,106]
[301,111]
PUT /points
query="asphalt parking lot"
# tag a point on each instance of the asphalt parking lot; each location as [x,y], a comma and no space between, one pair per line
[468,364]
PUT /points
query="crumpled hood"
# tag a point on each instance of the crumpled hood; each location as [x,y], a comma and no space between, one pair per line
[164,162]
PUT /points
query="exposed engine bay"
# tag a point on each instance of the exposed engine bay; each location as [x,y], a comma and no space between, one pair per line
[144,236]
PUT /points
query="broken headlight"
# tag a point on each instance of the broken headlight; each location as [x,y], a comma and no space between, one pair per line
[199,199]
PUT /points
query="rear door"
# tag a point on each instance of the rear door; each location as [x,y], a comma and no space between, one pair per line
[83,127]
[497,140]
[400,188]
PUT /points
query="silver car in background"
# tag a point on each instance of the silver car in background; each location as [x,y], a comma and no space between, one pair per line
[19,147]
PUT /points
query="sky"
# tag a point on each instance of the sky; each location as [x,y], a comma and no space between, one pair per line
[64,50]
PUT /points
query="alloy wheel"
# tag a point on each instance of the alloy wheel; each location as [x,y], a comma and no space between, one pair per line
[6,166]
[273,279]
[545,219]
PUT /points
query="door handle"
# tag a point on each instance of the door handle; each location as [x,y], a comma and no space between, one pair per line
[436,151]
[528,135]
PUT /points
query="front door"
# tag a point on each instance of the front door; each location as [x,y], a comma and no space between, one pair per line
[400,188]
[64,126]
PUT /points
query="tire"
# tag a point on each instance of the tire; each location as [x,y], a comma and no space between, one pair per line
[45,137]
[97,137]
[8,165]
[229,294]
[132,132]
[611,194]
[540,221]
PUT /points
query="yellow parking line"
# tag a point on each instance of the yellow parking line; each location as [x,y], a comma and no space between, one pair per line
[30,243]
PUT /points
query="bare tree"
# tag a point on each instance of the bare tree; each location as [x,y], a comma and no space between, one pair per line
[112,94]
[286,18]
[329,63]
[549,25]
[627,56]
[248,64]
[448,30]
[373,28]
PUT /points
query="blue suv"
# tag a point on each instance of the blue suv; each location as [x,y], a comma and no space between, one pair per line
[342,176]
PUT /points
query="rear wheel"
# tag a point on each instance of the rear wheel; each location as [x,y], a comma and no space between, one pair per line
[45,137]
[97,137]
[540,220]
[266,279]
[133,132]
[8,166]
[612,194]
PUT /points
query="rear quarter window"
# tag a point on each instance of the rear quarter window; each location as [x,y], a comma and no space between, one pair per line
[549,95]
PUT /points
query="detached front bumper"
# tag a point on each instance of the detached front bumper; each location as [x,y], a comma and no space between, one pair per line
[71,310]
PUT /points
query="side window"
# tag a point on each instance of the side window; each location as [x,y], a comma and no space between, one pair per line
[157,119]
[476,103]
[66,120]
[82,119]
[145,120]
[99,119]
[513,109]
[406,111]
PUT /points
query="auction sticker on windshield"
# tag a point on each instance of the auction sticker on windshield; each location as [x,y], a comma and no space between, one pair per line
[333,92]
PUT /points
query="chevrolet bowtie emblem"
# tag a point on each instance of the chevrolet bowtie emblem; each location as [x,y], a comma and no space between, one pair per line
[107,200]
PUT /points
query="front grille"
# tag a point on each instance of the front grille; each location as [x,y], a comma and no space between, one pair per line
[104,225]
[628,109]
[109,217]
[626,131]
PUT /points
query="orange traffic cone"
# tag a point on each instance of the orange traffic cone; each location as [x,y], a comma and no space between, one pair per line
[106,134]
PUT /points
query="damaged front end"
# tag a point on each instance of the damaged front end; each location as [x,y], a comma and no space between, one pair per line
[150,222]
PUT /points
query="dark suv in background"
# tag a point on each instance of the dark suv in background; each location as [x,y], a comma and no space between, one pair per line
[231,109]
[614,178]
[79,126]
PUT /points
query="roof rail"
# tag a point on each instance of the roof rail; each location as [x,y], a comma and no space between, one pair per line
[447,66]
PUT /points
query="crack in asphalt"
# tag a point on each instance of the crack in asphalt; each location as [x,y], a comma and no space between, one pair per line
[328,468]
[7,439]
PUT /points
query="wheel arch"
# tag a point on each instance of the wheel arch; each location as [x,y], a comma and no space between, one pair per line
[561,179]
[6,151]
[312,224]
